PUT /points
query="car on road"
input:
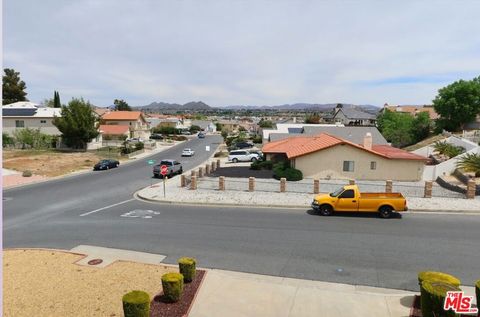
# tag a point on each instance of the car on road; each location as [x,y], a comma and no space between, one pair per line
[156,136]
[173,167]
[260,154]
[188,152]
[349,199]
[242,156]
[135,140]
[186,132]
[106,164]
[201,135]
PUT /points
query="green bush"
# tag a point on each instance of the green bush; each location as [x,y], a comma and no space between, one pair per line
[6,139]
[433,296]
[139,146]
[438,277]
[27,173]
[256,165]
[292,174]
[268,165]
[136,304]
[220,154]
[257,139]
[172,284]
[187,268]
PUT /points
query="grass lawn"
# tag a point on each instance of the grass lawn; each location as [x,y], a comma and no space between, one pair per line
[51,163]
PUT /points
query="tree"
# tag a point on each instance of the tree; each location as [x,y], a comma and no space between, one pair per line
[265,124]
[458,103]
[77,123]
[47,102]
[13,88]
[396,128]
[421,126]
[56,100]
[121,105]
[312,118]
[195,128]
[219,126]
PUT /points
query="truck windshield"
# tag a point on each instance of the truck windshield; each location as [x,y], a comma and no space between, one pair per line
[337,192]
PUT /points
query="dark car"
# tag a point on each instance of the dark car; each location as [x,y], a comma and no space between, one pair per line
[156,136]
[243,145]
[106,164]
[201,135]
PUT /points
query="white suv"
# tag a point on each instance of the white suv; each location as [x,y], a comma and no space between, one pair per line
[242,156]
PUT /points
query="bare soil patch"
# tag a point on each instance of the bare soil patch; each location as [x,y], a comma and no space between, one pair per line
[48,283]
[51,163]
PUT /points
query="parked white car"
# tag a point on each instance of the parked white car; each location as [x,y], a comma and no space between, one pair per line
[188,152]
[242,156]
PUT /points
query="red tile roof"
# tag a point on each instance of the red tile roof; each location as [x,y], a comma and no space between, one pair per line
[114,129]
[122,115]
[303,145]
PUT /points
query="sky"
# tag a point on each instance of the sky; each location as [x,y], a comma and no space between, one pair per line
[232,52]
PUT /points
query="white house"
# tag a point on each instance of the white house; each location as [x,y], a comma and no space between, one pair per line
[24,114]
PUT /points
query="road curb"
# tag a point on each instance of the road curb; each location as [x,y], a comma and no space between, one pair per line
[138,196]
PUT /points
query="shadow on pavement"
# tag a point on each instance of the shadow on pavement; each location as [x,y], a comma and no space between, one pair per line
[345,214]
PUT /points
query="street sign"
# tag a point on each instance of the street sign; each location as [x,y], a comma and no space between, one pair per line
[207,148]
[151,162]
[163,170]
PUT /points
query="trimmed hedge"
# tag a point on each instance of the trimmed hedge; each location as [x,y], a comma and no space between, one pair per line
[292,174]
[172,284]
[433,296]
[187,267]
[136,304]
[438,277]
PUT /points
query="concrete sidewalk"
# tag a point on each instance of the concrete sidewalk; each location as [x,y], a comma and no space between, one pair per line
[226,293]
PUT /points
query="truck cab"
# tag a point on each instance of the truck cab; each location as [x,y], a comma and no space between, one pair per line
[349,199]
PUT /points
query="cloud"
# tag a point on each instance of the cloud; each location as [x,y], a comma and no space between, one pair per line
[241,52]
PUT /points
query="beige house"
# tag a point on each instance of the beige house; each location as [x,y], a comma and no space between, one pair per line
[138,127]
[326,156]
[26,114]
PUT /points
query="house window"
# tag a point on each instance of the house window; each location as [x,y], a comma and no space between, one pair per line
[19,124]
[348,166]
[43,121]
[373,165]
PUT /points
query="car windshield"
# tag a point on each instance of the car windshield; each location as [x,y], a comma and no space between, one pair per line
[337,192]
[104,161]
[165,163]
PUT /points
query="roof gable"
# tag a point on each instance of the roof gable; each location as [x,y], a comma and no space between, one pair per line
[123,115]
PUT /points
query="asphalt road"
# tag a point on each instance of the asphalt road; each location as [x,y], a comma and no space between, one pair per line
[284,242]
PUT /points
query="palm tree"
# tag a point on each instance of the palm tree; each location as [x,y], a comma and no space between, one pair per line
[470,162]
[440,147]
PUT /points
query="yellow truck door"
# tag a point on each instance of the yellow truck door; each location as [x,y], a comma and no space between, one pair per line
[347,201]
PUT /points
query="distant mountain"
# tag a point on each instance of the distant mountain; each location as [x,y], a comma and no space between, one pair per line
[193,105]
[305,106]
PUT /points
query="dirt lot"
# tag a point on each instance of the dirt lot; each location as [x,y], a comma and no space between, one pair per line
[48,283]
[51,163]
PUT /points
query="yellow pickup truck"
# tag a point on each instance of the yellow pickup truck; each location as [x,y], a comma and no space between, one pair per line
[348,198]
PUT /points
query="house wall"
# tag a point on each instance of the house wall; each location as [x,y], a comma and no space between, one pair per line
[32,123]
[138,128]
[328,163]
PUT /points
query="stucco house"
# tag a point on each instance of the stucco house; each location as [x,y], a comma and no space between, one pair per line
[205,125]
[24,114]
[138,127]
[328,156]
[352,116]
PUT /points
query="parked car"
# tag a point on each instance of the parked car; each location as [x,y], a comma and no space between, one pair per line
[106,164]
[135,140]
[349,198]
[156,136]
[188,152]
[201,135]
[242,156]
[243,145]
[260,154]
[173,167]
[186,133]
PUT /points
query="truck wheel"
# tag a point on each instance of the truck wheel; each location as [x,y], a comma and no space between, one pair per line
[180,171]
[385,212]
[325,210]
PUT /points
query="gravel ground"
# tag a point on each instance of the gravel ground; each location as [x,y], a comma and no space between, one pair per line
[298,195]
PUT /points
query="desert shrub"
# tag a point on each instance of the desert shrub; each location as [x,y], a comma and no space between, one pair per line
[257,139]
[220,154]
[292,174]
[187,268]
[268,165]
[279,169]
[433,295]
[7,139]
[32,138]
[172,284]
[136,304]
[27,173]
[139,146]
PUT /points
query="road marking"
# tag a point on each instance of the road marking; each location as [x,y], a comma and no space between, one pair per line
[106,207]
[139,213]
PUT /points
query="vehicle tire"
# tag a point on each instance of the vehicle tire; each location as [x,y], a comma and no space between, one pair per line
[253,159]
[235,160]
[385,212]
[170,175]
[180,171]
[325,210]
[108,167]
[116,165]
